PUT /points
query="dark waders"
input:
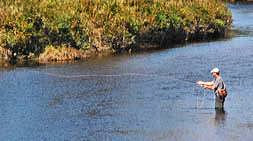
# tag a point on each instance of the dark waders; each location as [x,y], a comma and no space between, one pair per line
[219,101]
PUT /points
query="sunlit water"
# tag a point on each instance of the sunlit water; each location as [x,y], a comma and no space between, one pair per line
[149,96]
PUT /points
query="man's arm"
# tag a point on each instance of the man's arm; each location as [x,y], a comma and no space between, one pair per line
[210,87]
[205,83]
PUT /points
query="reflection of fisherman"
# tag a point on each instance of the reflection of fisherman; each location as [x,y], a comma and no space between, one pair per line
[218,86]
[220,116]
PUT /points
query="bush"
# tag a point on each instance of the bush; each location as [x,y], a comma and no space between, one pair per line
[29,26]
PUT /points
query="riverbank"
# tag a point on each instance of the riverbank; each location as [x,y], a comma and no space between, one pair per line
[70,30]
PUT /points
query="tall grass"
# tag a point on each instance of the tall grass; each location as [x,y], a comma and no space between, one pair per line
[28,26]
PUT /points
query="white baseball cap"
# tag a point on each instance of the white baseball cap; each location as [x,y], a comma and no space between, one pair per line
[216,70]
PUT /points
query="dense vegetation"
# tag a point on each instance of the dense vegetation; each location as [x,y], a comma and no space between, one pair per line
[33,28]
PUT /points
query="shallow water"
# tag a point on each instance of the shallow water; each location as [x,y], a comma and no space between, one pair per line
[150,96]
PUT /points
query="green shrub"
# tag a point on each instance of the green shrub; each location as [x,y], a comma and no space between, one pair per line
[28,26]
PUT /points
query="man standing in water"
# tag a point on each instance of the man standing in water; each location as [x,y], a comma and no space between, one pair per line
[218,86]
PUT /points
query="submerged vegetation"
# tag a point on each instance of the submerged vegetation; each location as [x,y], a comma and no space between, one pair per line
[43,28]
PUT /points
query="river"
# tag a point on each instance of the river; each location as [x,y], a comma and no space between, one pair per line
[150,96]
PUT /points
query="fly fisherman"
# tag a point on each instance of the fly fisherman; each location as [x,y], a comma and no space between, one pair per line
[218,86]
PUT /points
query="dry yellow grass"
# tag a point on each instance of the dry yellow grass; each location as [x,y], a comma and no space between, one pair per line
[4,53]
[63,53]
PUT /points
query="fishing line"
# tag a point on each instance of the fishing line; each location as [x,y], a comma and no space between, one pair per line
[112,75]
[118,75]
[199,101]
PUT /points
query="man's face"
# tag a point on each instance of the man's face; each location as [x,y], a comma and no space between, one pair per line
[213,74]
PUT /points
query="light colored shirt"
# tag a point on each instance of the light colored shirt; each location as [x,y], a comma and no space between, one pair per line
[218,84]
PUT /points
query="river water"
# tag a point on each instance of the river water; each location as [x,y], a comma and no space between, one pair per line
[149,96]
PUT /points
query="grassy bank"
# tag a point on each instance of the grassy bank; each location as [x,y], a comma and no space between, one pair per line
[31,28]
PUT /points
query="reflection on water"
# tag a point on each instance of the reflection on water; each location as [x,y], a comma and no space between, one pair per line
[150,96]
[220,116]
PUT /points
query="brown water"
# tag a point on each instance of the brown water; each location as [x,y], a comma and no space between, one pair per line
[150,96]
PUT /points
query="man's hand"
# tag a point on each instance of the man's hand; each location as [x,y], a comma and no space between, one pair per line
[205,85]
[200,83]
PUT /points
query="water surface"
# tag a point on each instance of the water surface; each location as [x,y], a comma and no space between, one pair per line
[150,96]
